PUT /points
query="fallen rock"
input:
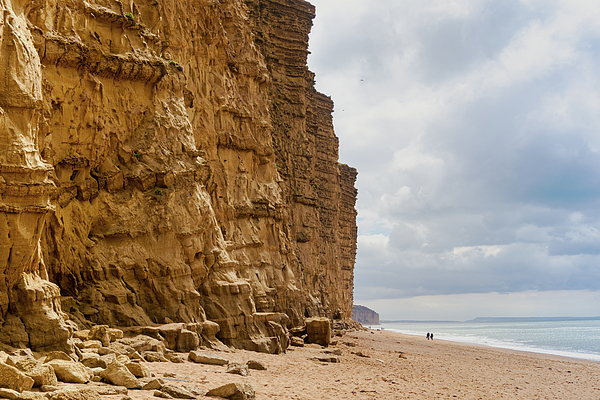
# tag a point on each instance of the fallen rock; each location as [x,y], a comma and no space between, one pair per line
[234,391]
[70,371]
[83,335]
[237,368]
[154,384]
[57,355]
[257,365]
[89,344]
[335,352]
[162,395]
[177,392]
[92,360]
[194,390]
[296,341]
[206,358]
[319,331]
[48,388]
[43,375]
[327,359]
[8,393]
[73,394]
[108,390]
[113,357]
[138,370]
[12,378]
[117,348]
[119,375]
[174,358]
[142,343]
[22,363]
[360,354]
[154,356]
[100,333]
[31,396]
[178,338]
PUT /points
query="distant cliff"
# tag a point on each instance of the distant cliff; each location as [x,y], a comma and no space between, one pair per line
[165,160]
[365,315]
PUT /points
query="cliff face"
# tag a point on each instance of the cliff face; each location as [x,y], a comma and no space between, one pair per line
[168,161]
[365,315]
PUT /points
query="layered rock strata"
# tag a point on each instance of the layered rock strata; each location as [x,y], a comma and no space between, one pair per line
[168,162]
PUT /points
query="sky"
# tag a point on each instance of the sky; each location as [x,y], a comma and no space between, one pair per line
[475,129]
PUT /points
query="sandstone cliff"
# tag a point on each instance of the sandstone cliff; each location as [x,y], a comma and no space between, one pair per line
[365,315]
[168,161]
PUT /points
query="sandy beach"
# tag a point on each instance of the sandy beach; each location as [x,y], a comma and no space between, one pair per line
[388,365]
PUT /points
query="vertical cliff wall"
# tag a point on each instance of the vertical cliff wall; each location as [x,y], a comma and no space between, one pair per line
[167,160]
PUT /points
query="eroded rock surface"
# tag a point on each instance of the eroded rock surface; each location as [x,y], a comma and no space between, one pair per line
[168,162]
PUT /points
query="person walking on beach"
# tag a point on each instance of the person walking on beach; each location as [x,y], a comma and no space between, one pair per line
[431,336]
[427,335]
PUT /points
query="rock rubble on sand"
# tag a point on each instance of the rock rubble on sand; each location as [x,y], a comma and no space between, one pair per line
[105,361]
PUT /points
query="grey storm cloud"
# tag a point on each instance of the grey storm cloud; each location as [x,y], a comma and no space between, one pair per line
[475,127]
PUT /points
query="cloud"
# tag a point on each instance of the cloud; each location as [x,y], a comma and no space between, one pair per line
[474,127]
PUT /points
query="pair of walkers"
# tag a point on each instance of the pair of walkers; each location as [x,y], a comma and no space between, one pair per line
[429,336]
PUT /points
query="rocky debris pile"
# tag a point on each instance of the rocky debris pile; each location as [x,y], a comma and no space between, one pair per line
[106,361]
[109,361]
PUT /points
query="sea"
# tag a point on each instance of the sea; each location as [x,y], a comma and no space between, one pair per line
[568,337]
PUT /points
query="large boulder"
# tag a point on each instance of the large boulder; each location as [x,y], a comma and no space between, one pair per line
[319,331]
[12,378]
[70,371]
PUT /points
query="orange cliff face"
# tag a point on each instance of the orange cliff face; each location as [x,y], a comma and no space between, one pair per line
[169,161]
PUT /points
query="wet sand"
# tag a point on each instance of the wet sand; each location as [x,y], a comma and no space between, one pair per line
[397,366]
